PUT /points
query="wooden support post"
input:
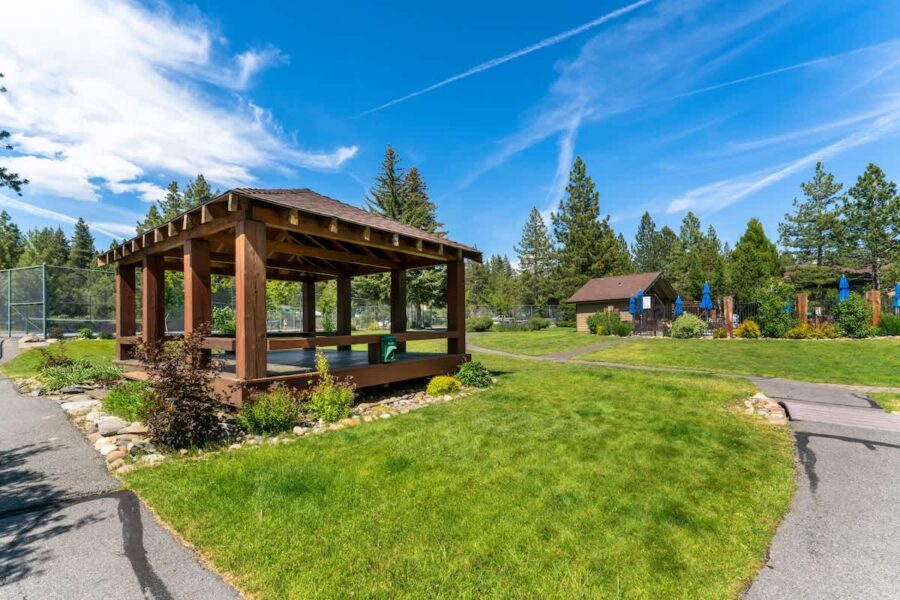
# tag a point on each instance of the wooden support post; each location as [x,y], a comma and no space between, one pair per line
[250,284]
[197,285]
[398,304]
[728,308]
[309,307]
[456,306]
[803,308]
[125,309]
[344,309]
[153,304]
[873,298]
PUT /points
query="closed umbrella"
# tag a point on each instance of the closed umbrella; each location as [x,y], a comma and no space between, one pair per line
[897,297]
[632,305]
[843,288]
[788,308]
[706,302]
[679,308]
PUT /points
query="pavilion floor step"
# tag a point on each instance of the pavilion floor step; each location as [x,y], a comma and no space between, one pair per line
[135,375]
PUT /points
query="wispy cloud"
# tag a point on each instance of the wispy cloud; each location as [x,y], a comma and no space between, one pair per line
[720,194]
[496,62]
[112,230]
[135,104]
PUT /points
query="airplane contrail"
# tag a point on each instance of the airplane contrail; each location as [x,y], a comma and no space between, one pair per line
[545,43]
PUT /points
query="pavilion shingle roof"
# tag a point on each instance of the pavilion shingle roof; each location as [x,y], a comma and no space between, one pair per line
[310,201]
[619,287]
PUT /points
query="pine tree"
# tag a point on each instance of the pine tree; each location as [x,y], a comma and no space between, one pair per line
[386,196]
[647,248]
[7,177]
[668,251]
[419,210]
[151,221]
[535,252]
[477,275]
[45,246]
[812,231]
[10,242]
[197,192]
[754,262]
[871,216]
[81,255]
[587,245]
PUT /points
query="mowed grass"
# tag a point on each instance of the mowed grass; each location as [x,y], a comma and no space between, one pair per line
[26,364]
[864,362]
[537,343]
[561,481]
[888,401]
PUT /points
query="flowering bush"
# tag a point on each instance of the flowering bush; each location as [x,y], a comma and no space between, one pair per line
[748,330]
[688,326]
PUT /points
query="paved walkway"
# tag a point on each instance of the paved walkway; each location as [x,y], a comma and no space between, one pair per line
[841,538]
[68,530]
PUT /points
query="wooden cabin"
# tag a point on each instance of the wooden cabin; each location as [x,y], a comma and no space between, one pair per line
[612,294]
[292,235]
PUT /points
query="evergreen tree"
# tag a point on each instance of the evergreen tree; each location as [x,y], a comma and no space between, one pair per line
[647,249]
[7,177]
[197,192]
[151,221]
[386,196]
[754,262]
[10,242]
[587,244]
[501,289]
[419,210]
[82,251]
[477,275]
[811,232]
[668,251]
[871,216]
[45,246]
[535,252]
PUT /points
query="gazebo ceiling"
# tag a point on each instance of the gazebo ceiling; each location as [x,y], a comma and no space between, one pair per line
[307,234]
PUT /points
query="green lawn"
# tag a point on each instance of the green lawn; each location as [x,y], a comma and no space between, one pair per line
[887,401]
[562,481]
[26,364]
[536,343]
[865,362]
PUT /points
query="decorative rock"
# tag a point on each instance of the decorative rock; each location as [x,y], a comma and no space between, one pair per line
[153,458]
[115,455]
[108,448]
[136,428]
[124,469]
[79,407]
[110,425]
[73,389]
[93,437]
[116,465]
[447,397]
[384,416]
[104,441]
[234,447]
[350,421]
[182,452]
[300,430]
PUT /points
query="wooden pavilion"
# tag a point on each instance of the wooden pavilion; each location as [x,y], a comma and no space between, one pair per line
[292,235]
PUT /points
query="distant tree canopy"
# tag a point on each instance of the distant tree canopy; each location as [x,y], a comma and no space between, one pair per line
[7,177]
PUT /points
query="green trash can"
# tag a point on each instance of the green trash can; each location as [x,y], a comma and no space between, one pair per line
[388,348]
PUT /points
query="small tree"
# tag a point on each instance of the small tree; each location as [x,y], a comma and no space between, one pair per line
[182,406]
[535,251]
[754,262]
[811,231]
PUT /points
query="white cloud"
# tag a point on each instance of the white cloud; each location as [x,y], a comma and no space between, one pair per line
[720,194]
[496,62]
[113,230]
[102,94]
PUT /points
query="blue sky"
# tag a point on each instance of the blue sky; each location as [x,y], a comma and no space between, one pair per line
[717,107]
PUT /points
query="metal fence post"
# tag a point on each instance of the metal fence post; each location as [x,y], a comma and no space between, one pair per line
[44,296]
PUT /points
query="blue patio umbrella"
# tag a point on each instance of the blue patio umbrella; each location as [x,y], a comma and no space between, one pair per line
[788,308]
[897,296]
[843,288]
[679,308]
[706,302]
[632,305]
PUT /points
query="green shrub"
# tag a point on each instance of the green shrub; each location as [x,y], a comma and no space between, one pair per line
[773,319]
[803,331]
[106,335]
[330,399]
[748,330]
[621,329]
[126,400]
[688,326]
[223,320]
[373,326]
[474,374]
[830,331]
[86,333]
[273,411]
[854,316]
[443,384]
[889,324]
[720,333]
[536,323]
[604,322]
[182,407]
[481,323]
[77,372]
[564,323]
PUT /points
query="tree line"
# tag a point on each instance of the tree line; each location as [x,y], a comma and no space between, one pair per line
[826,232]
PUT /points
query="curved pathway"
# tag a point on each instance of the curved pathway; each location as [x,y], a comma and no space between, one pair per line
[842,534]
[68,529]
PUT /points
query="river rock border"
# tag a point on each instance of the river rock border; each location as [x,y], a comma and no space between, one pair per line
[762,405]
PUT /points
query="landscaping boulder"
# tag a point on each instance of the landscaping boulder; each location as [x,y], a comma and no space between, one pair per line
[73,389]
[79,407]
[110,425]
